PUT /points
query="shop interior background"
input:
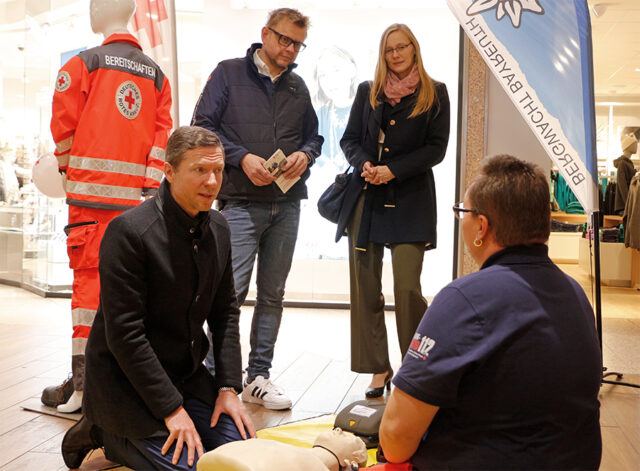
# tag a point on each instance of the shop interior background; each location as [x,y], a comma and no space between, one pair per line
[342,51]
[37,36]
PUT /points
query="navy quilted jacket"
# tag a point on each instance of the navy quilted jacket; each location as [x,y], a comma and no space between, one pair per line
[251,114]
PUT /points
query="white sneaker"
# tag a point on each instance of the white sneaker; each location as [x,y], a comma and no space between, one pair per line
[262,391]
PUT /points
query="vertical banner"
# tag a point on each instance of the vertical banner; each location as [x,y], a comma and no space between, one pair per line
[540,51]
[154,24]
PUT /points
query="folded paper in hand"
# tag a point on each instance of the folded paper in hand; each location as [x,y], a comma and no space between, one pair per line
[275,166]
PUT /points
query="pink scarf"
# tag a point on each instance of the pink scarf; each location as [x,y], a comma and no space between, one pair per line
[396,89]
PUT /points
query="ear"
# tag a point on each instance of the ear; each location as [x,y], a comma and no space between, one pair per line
[264,33]
[483,227]
[169,172]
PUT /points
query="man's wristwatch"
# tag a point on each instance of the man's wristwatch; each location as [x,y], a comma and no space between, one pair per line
[227,388]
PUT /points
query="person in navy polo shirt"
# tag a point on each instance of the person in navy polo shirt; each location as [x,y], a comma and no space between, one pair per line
[504,369]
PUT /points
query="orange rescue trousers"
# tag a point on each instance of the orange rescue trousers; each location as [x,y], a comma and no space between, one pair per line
[84,233]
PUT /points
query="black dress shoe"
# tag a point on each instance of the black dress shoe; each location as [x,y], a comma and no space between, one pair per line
[372,393]
[77,443]
[53,396]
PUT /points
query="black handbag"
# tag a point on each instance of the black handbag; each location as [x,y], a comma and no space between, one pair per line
[330,202]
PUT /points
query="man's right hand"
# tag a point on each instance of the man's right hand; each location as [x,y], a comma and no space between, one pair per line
[182,430]
[253,166]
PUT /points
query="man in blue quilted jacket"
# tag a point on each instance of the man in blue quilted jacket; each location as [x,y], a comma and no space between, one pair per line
[257,105]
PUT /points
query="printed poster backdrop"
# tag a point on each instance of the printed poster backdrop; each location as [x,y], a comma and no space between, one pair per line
[540,52]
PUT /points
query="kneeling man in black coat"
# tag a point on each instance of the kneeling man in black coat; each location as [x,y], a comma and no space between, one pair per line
[165,269]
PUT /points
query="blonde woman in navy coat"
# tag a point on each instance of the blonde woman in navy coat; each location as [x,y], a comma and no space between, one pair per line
[397,132]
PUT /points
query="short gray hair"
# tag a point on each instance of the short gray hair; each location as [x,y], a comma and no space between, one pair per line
[189,137]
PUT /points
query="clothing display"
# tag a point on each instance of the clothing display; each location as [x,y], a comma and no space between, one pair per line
[631,218]
[110,91]
[111,121]
[558,226]
[626,171]
[610,234]
[609,204]
[510,354]
[567,201]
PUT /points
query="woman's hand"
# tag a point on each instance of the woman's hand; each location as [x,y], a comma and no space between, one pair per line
[376,175]
[368,170]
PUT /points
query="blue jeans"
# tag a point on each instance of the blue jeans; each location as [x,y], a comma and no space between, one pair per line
[268,231]
[145,453]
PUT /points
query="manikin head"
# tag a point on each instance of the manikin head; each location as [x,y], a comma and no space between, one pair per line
[111,16]
[346,446]
[629,145]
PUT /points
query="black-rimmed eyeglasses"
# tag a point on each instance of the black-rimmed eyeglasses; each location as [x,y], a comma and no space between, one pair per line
[286,41]
[459,210]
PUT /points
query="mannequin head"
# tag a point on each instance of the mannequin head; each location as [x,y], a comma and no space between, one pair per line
[629,145]
[346,446]
[111,16]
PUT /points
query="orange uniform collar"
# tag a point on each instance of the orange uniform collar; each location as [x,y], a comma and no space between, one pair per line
[122,38]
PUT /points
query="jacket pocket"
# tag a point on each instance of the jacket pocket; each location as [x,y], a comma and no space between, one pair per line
[83,243]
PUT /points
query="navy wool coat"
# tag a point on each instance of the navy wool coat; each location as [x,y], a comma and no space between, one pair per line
[403,210]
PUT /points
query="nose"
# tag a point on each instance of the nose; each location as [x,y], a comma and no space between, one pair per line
[212,179]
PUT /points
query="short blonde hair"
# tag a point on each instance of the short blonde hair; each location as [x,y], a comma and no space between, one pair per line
[426,89]
[290,14]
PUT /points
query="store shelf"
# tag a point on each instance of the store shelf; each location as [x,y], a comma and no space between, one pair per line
[609,220]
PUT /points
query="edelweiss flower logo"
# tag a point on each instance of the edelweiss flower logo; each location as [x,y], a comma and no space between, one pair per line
[513,8]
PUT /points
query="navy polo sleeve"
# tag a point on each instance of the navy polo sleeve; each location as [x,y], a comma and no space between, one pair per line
[447,343]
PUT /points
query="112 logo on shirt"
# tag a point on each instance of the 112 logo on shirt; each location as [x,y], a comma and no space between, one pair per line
[420,346]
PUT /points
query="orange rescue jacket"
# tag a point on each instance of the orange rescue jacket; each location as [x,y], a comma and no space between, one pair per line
[111,121]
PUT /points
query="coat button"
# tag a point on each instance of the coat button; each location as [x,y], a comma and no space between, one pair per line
[197,298]
[193,342]
[195,248]
[192,230]
[386,149]
[392,122]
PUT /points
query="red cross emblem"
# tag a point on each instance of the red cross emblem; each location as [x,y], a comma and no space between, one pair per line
[128,99]
[148,14]
[63,81]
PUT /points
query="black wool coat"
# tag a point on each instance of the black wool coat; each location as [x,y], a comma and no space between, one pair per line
[163,274]
[403,210]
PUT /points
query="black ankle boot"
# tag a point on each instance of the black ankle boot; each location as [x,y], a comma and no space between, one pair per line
[78,442]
